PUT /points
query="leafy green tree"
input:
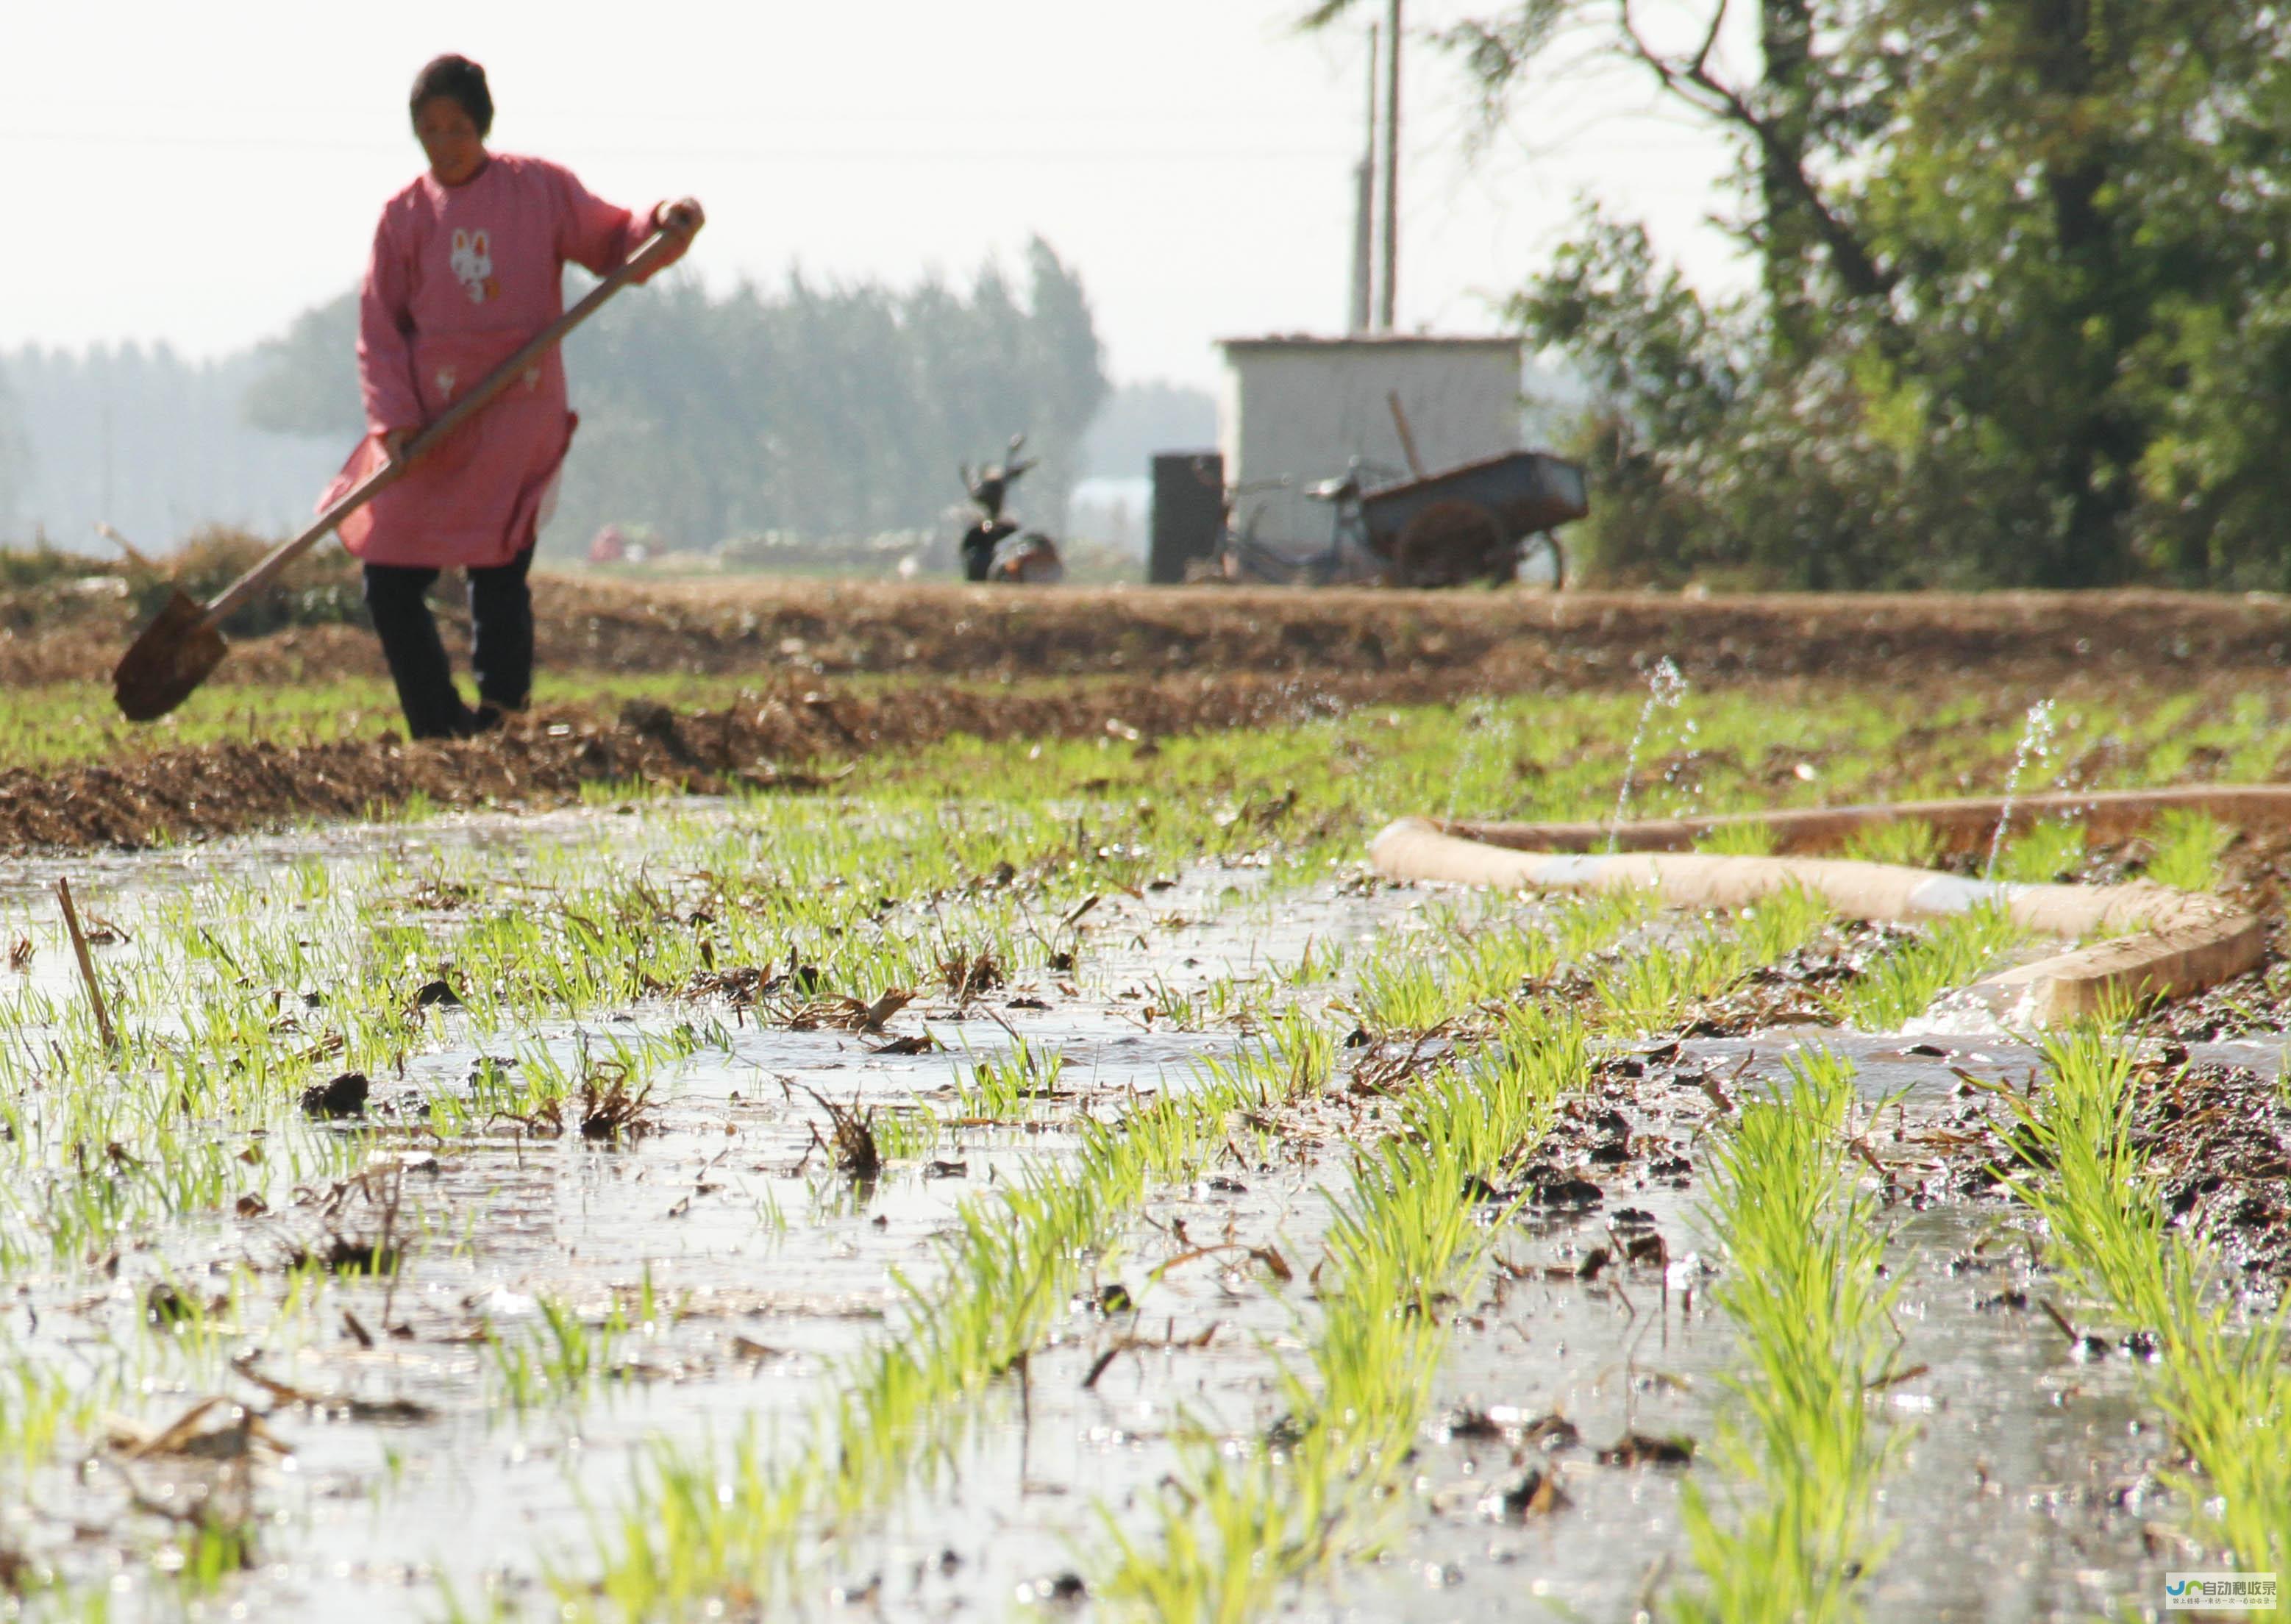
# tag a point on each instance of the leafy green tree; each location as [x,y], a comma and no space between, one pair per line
[2023,315]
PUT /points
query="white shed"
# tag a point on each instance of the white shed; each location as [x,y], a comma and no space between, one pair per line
[1299,408]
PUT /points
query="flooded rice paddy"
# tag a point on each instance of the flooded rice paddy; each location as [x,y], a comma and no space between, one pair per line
[566,1216]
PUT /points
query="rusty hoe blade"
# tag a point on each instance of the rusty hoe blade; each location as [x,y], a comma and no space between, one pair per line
[175,654]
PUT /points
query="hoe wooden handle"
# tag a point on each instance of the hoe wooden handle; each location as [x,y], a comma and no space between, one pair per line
[643,262]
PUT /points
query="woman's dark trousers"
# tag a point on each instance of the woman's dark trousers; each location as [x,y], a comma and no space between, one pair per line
[501,643]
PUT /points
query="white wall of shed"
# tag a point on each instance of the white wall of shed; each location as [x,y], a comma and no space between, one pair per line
[1302,412]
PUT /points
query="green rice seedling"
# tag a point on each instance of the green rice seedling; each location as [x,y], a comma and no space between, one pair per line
[2245,733]
[2221,1376]
[1174,1006]
[518,1376]
[902,1135]
[1910,842]
[1796,1539]
[1238,1521]
[1779,923]
[1402,994]
[2092,1206]
[1320,960]
[890,1418]
[2051,851]
[2188,846]
[212,1549]
[1498,960]
[1242,1000]
[1589,923]
[1012,1085]
[38,1408]
[1903,984]
[1648,989]
[1303,1057]
[562,1358]
[1745,839]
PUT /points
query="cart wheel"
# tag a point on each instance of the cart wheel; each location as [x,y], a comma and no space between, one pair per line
[1542,565]
[1448,544]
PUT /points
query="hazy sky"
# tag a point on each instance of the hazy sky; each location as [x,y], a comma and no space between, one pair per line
[200,173]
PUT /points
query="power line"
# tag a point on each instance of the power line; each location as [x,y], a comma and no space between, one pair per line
[937,153]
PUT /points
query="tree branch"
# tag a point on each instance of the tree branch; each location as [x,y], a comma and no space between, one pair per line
[1702,90]
[1710,40]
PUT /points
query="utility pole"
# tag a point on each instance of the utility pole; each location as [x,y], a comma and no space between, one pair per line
[1363,295]
[1389,293]
[108,515]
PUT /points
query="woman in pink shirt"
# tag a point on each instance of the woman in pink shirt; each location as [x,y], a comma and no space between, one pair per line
[467,264]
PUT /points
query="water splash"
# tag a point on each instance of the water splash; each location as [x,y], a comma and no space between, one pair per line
[1665,688]
[1467,758]
[1685,776]
[2036,744]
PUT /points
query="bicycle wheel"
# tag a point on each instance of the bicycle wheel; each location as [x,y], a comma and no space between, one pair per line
[1542,567]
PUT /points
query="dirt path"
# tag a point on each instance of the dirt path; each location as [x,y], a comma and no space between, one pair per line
[1510,641]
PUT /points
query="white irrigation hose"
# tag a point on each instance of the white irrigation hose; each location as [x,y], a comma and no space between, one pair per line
[2165,941]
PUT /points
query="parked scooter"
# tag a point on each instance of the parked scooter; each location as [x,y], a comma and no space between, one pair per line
[994,548]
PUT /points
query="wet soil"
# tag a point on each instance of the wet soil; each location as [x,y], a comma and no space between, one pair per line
[2213,1124]
[1586,1386]
[397,1461]
[382,1455]
[1054,664]
[1516,640]
[546,758]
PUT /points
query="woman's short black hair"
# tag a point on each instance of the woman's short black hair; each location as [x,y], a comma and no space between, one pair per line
[461,80]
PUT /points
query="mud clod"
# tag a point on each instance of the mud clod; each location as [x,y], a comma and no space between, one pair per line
[1639,1449]
[1533,1493]
[612,1107]
[969,976]
[850,1146]
[924,1044]
[341,1097]
[1059,1591]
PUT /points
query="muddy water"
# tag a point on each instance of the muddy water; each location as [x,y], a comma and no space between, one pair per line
[766,1272]
[2022,1491]
[2025,1481]
[2028,1484]
[2025,1488]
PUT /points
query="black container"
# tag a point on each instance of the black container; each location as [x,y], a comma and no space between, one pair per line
[1188,511]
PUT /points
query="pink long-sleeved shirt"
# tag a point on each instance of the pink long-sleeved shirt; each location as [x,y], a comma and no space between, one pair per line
[460,276]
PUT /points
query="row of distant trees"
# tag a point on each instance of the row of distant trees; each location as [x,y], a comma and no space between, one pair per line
[148,441]
[15,458]
[824,410]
